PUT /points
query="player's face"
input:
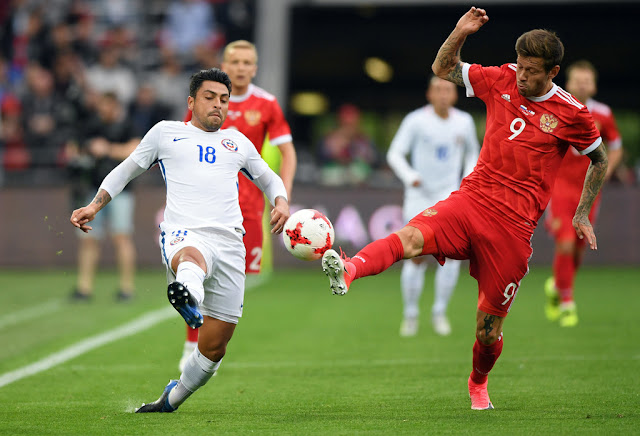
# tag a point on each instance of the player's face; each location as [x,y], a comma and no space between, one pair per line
[210,106]
[532,79]
[442,94]
[582,84]
[240,64]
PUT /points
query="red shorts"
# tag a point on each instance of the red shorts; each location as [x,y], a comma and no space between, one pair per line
[498,251]
[559,218]
[253,245]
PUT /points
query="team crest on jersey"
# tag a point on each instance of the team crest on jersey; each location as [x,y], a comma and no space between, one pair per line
[430,212]
[252,117]
[548,123]
[177,240]
[229,145]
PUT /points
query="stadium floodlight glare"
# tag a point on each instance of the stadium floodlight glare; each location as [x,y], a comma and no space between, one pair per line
[378,69]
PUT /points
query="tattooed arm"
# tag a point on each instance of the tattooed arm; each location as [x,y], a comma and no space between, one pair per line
[447,64]
[592,183]
[80,217]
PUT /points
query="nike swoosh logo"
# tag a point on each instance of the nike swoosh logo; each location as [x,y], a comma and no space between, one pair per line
[178,139]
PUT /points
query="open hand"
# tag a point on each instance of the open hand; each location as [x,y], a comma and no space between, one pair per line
[472,21]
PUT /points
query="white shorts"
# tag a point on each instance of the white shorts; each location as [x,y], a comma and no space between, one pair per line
[224,254]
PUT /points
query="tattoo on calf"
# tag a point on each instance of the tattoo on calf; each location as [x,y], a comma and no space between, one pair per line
[488,323]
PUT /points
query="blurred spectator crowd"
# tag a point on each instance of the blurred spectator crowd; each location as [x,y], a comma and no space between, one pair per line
[60,58]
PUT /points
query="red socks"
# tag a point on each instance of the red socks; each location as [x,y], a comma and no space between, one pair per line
[484,357]
[378,256]
[564,271]
[192,334]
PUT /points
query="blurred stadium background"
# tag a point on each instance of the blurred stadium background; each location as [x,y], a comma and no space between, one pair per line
[315,56]
[303,362]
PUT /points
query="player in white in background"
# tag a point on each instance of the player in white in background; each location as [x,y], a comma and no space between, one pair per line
[201,239]
[442,146]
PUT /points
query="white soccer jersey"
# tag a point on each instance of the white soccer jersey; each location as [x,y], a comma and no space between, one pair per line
[441,151]
[200,170]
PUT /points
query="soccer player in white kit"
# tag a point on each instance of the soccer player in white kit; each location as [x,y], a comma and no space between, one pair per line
[201,238]
[442,146]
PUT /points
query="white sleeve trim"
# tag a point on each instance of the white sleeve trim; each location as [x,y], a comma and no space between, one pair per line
[281,140]
[118,178]
[467,82]
[271,184]
[616,144]
[592,147]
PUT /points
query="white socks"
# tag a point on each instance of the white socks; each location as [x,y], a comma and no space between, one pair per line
[446,279]
[412,282]
[197,372]
[192,276]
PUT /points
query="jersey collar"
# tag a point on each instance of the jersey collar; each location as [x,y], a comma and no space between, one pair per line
[547,96]
[243,97]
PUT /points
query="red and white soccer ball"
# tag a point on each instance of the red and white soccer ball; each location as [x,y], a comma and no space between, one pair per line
[308,234]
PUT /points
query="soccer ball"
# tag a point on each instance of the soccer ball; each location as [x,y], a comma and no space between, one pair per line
[308,234]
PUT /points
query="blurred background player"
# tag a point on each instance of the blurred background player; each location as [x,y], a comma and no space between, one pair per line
[569,249]
[109,139]
[442,146]
[346,155]
[255,113]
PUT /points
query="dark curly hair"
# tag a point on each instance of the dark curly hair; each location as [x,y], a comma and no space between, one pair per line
[212,74]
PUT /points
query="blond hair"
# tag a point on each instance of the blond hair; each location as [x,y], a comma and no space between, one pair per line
[241,43]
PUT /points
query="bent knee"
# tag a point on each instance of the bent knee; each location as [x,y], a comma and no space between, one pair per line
[213,352]
[487,338]
[565,247]
[412,241]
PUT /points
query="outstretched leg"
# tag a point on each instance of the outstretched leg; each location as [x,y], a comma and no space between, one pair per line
[376,257]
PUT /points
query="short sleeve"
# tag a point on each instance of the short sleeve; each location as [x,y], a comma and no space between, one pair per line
[146,153]
[278,128]
[254,166]
[610,133]
[479,80]
[582,134]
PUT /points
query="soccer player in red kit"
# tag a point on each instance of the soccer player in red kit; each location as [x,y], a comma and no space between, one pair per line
[255,113]
[569,250]
[531,123]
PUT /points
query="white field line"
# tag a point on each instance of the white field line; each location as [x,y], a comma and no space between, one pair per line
[142,323]
[30,313]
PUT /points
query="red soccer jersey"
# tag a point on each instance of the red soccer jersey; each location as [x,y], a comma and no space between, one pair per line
[524,143]
[571,175]
[255,114]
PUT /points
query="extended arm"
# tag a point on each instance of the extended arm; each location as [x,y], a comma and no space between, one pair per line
[288,165]
[271,184]
[615,157]
[592,183]
[447,64]
[111,186]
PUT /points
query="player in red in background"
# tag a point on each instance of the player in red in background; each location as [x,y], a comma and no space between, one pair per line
[256,114]
[569,250]
[531,123]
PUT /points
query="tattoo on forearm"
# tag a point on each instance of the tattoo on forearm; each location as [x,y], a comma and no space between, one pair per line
[593,181]
[448,59]
[101,198]
[488,324]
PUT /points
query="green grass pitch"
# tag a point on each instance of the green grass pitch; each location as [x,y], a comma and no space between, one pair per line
[305,362]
